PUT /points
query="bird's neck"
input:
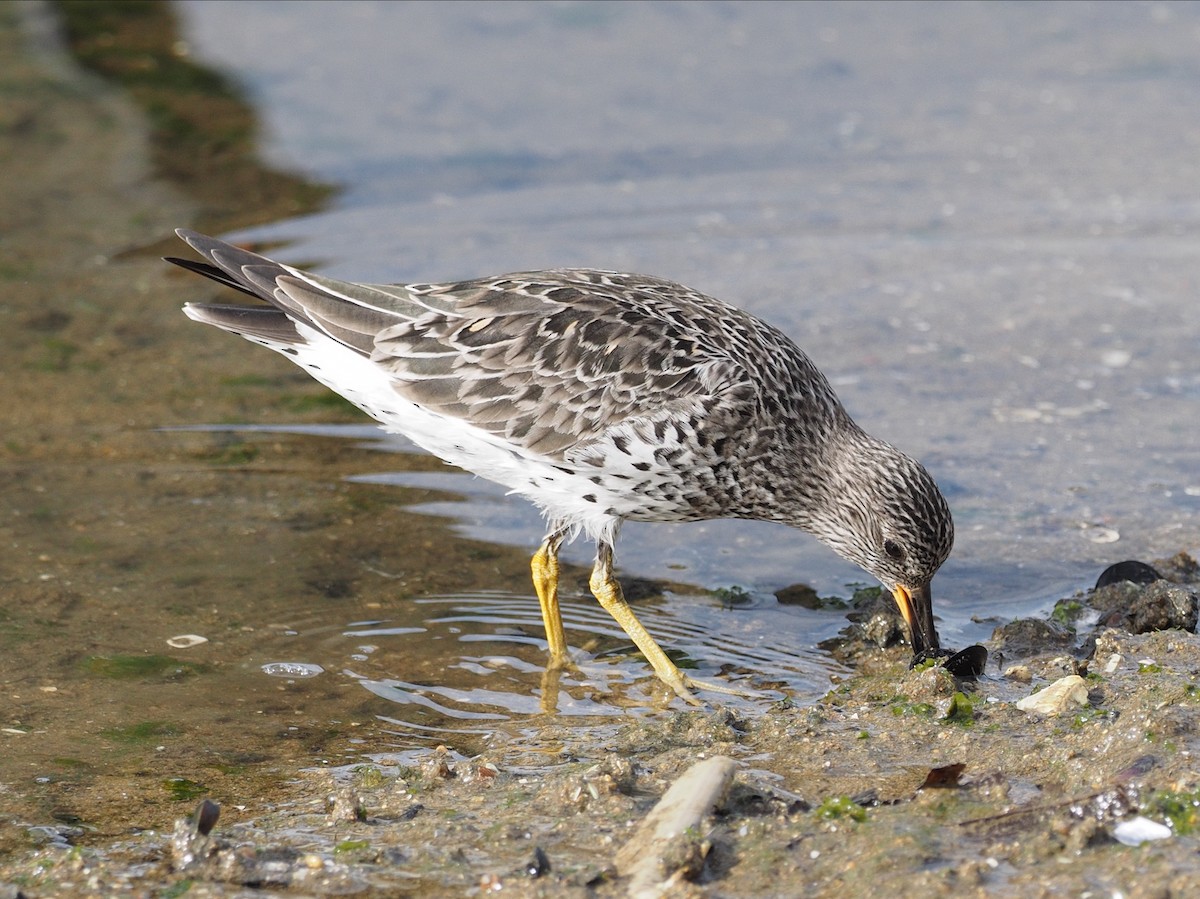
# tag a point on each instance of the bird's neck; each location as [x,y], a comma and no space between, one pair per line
[801,486]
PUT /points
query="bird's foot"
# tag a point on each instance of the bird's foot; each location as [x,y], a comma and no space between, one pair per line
[683,685]
[715,687]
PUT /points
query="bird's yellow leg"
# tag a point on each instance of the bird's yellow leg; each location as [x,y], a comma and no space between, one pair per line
[545,581]
[606,589]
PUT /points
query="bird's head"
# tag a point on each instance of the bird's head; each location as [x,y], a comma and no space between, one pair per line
[882,510]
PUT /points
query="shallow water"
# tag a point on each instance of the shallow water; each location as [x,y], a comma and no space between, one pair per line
[457,667]
[976,220]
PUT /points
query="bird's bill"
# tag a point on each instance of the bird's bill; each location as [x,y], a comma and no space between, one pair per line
[916,605]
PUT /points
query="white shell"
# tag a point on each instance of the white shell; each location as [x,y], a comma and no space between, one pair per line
[1135,831]
[1061,696]
[186,641]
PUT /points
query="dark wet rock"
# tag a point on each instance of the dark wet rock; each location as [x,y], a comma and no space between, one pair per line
[1181,568]
[798,595]
[927,685]
[1030,636]
[1167,597]
[884,629]
[1133,571]
[1054,667]
[637,589]
[690,728]
[617,773]
[875,624]
[806,597]
[1114,598]
[1140,610]
[1070,611]
[734,597]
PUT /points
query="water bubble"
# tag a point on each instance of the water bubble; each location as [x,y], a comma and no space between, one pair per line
[292,669]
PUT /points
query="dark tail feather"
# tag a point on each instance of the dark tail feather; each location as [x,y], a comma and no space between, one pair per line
[211,271]
[255,322]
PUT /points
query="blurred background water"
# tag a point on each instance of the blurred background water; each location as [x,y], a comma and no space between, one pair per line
[979,219]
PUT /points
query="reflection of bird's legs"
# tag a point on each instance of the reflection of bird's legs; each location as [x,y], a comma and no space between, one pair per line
[545,581]
[551,687]
[608,592]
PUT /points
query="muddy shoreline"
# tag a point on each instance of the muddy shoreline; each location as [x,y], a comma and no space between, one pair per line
[933,786]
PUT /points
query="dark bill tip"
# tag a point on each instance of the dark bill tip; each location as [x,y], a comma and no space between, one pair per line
[916,605]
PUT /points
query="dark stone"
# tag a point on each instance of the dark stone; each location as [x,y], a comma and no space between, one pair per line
[884,629]
[1114,599]
[1030,636]
[637,589]
[1180,568]
[1161,606]
[798,595]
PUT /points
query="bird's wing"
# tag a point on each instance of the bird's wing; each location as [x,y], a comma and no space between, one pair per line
[548,360]
[553,360]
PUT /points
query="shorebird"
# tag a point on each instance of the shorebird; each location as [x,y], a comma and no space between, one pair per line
[604,397]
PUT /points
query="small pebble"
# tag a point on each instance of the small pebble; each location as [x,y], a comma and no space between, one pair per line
[1135,831]
[1102,535]
[1020,673]
[1061,696]
[1116,358]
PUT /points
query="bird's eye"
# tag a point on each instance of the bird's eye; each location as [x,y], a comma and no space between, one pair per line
[894,550]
